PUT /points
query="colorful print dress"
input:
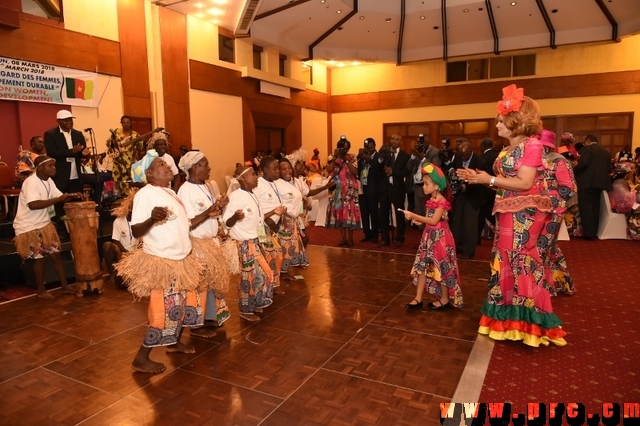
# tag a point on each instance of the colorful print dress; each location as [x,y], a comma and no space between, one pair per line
[343,210]
[123,158]
[561,187]
[436,256]
[518,306]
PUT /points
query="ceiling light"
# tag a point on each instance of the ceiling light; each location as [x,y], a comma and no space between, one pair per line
[387,20]
[331,62]
[199,5]
[513,3]
[361,18]
[216,22]
[422,17]
[220,1]
[215,12]
[200,15]
[341,64]
[322,1]
[338,11]
[466,11]
[355,64]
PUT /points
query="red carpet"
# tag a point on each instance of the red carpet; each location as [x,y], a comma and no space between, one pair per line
[600,361]
[15,292]
[320,236]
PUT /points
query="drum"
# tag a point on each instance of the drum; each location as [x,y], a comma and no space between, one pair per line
[82,221]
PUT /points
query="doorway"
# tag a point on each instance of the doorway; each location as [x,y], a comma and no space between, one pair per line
[269,138]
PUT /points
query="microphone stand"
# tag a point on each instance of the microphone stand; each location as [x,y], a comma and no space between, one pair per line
[96,184]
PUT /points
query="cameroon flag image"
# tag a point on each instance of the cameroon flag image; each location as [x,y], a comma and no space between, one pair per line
[79,89]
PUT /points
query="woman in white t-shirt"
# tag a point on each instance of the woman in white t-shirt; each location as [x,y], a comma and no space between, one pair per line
[244,218]
[272,208]
[36,236]
[164,268]
[203,210]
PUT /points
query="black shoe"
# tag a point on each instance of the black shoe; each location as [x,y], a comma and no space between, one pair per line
[399,244]
[374,240]
[435,307]
[416,305]
[365,239]
[384,243]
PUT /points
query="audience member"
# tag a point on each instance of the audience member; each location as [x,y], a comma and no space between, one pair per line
[393,192]
[370,175]
[124,152]
[25,165]
[485,216]
[160,143]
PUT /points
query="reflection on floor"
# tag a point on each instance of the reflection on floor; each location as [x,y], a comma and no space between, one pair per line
[337,347]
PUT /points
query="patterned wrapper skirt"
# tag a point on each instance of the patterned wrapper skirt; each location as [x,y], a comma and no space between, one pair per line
[272,252]
[256,278]
[553,258]
[290,239]
[518,306]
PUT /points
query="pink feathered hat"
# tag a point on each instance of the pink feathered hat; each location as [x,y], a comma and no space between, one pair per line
[547,138]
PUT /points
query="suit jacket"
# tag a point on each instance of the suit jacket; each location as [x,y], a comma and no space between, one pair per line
[473,193]
[399,172]
[593,168]
[56,146]
[489,157]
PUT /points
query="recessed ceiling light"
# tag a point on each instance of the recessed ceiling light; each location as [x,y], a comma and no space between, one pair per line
[436,27]
[554,11]
[355,64]
[322,1]
[199,5]
[422,17]
[466,11]
[331,62]
[341,64]
[338,11]
[215,22]
[387,20]
[200,15]
[215,12]
[220,1]
[513,3]
[361,18]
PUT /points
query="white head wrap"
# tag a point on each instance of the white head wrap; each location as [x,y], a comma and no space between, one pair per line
[188,160]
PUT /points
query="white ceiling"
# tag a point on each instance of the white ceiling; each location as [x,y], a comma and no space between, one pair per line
[373,32]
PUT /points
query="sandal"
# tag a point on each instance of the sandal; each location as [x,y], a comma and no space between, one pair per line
[416,305]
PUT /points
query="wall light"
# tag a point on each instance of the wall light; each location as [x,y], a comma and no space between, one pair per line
[513,3]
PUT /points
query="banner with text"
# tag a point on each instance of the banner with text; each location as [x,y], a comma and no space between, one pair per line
[35,82]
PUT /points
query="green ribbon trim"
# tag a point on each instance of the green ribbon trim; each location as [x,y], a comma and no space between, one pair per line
[521,313]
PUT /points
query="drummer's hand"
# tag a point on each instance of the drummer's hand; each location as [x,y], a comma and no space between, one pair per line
[159,214]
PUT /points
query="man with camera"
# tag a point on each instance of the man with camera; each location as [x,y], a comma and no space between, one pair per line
[467,201]
[392,189]
[423,154]
[370,174]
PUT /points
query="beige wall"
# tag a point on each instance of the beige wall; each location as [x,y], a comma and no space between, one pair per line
[216,130]
[98,18]
[359,125]
[314,132]
[566,60]
[154,63]
[106,116]
[202,40]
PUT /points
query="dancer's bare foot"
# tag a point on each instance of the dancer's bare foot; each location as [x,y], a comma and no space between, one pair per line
[148,366]
[250,318]
[205,332]
[44,294]
[182,348]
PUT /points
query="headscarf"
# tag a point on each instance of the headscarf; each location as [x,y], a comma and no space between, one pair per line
[436,175]
[188,160]
[139,167]
[156,136]
[297,156]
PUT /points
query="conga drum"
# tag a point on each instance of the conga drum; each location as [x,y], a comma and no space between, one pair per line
[82,220]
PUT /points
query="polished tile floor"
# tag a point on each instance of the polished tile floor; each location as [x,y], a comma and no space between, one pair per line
[337,348]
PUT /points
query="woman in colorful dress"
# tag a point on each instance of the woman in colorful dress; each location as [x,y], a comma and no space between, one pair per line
[518,306]
[343,211]
[626,201]
[123,153]
[561,187]
[435,267]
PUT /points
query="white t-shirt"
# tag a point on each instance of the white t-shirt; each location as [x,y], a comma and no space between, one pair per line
[122,233]
[269,197]
[169,239]
[247,228]
[196,199]
[171,162]
[34,189]
[291,193]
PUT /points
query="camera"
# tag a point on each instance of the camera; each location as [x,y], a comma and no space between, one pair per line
[422,144]
[343,146]
[446,153]
[385,154]
[455,182]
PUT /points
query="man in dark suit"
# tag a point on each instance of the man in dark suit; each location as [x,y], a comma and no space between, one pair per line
[67,146]
[370,174]
[467,202]
[393,192]
[592,176]
[489,155]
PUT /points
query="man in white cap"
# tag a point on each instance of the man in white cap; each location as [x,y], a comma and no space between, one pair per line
[67,146]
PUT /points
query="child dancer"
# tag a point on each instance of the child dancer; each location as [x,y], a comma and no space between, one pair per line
[436,266]
[245,221]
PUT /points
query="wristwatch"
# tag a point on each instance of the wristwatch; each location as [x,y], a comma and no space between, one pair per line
[492,182]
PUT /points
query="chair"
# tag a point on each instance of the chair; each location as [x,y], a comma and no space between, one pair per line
[7,189]
[613,226]
[214,188]
[323,202]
